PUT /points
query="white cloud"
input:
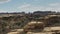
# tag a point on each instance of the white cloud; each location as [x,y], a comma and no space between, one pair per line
[25,6]
[4,11]
[4,1]
[54,4]
[30,8]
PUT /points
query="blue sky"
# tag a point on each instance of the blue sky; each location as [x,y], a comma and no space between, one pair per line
[29,5]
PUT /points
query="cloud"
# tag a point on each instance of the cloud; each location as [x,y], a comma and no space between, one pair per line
[4,1]
[54,4]
[25,6]
[5,11]
[31,8]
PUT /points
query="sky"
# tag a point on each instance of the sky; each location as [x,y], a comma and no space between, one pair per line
[29,5]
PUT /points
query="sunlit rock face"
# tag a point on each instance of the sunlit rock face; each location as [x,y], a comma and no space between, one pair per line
[34,26]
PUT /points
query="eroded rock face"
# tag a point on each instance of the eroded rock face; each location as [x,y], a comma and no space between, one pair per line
[47,21]
[52,20]
[34,26]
